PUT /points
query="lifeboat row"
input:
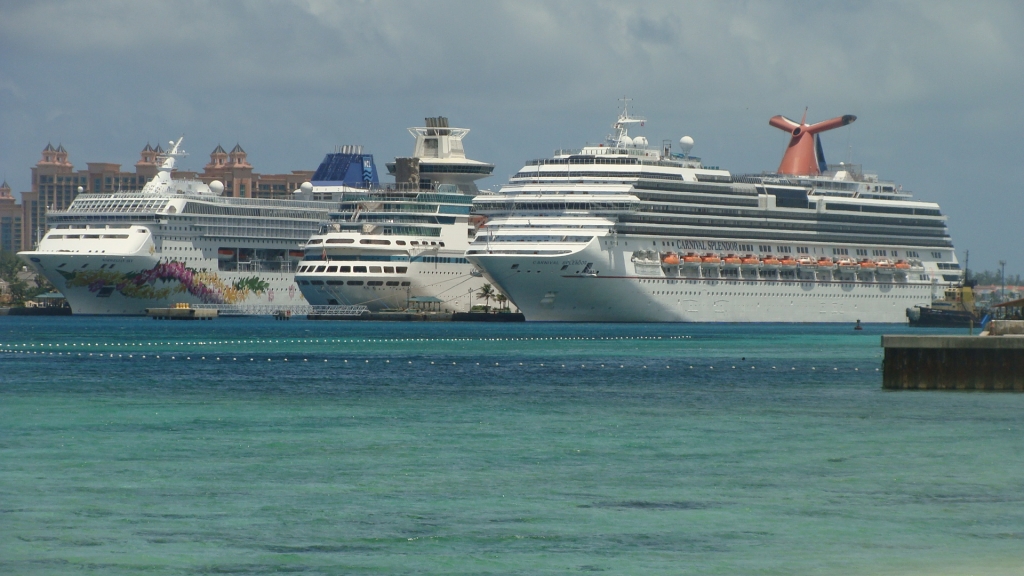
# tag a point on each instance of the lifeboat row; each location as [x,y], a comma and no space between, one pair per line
[750,262]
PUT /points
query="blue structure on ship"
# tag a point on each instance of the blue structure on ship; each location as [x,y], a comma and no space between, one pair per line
[349,167]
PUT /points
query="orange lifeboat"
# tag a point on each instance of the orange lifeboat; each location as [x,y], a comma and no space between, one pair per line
[691,259]
[805,261]
[711,258]
[750,262]
[226,253]
[670,259]
[732,261]
[787,263]
[296,254]
[770,262]
[846,263]
[826,263]
[885,266]
[866,264]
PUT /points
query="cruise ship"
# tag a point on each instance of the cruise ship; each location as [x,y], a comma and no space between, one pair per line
[177,241]
[400,246]
[627,232]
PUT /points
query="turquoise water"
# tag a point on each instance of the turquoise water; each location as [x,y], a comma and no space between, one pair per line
[130,446]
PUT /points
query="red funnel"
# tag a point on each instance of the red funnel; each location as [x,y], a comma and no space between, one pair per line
[800,159]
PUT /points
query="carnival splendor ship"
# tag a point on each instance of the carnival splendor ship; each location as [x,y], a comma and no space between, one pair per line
[624,232]
[176,241]
[400,246]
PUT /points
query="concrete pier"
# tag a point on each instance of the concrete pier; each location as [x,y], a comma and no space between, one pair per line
[953,363]
[180,312]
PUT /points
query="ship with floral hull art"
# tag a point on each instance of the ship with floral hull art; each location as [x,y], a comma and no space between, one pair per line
[177,241]
[165,280]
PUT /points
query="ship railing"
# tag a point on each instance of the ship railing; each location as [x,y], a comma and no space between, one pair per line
[271,309]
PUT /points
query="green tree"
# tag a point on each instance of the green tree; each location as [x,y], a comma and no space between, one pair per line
[21,290]
[486,292]
[502,301]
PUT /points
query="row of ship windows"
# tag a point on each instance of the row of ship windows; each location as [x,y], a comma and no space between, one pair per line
[372,241]
[773,294]
[352,283]
[85,236]
[766,248]
[354,269]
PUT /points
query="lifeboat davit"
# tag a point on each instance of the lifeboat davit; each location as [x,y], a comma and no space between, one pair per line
[226,253]
[670,259]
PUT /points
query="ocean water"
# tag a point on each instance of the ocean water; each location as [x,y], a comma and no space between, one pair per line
[249,446]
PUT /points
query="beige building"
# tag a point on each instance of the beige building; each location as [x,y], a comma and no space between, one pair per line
[10,220]
[55,183]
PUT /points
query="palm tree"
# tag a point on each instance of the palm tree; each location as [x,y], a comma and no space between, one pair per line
[486,292]
[502,300]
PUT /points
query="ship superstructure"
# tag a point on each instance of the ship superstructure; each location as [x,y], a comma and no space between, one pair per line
[623,231]
[402,245]
[176,241]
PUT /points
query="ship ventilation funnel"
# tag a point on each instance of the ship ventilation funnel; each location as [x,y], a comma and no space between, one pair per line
[801,157]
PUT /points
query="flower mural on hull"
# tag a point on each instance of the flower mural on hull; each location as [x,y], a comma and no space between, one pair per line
[155,283]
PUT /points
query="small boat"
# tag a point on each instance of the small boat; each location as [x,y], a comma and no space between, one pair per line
[226,253]
[825,264]
[711,259]
[770,262]
[787,263]
[848,264]
[732,262]
[902,265]
[750,262]
[670,259]
[885,267]
[691,259]
[296,254]
[805,262]
[866,264]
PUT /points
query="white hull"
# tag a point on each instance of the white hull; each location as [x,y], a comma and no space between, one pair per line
[113,289]
[451,283]
[544,292]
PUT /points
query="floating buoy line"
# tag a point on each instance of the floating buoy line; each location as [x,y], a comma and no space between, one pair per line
[138,350]
[4,346]
[345,361]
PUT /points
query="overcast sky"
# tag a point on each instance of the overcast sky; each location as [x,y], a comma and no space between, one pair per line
[937,87]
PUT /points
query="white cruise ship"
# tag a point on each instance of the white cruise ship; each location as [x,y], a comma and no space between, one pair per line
[626,232]
[176,241]
[400,246]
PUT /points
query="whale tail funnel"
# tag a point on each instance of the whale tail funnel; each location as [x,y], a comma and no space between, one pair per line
[804,155]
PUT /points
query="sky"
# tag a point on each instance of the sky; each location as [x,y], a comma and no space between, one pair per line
[938,87]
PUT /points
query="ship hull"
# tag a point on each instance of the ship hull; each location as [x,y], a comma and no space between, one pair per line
[554,288]
[927,317]
[452,284]
[107,284]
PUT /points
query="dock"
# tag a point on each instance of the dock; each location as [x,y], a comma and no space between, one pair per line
[991,362]
[181,312]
